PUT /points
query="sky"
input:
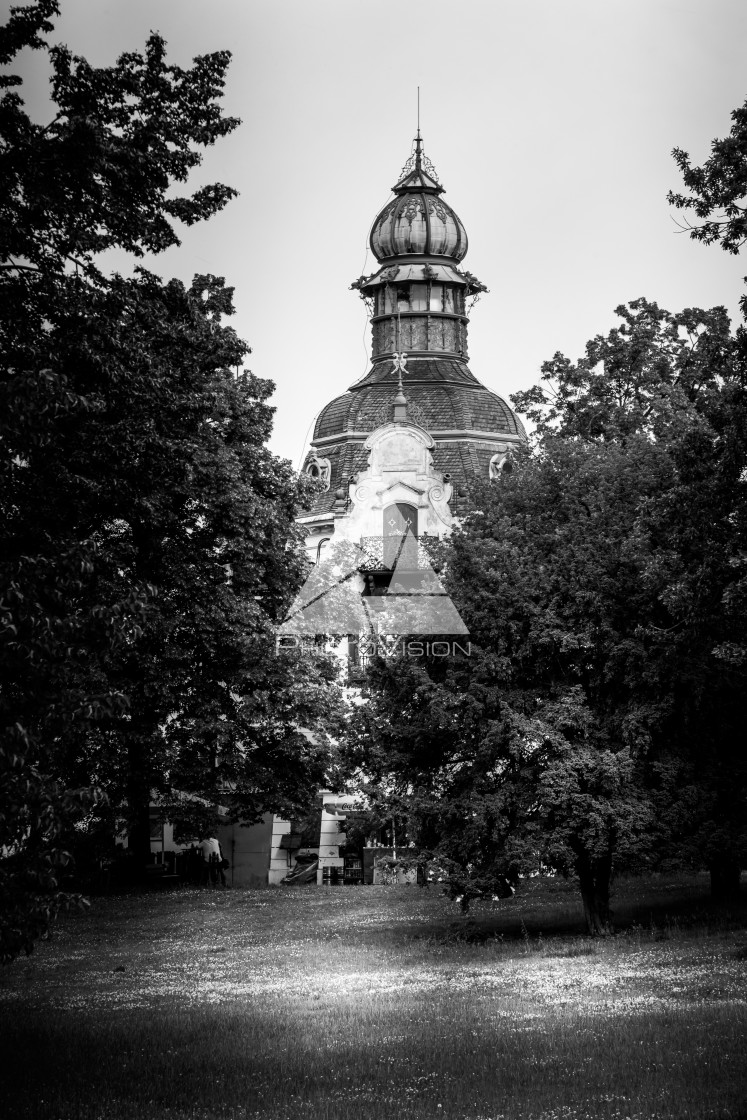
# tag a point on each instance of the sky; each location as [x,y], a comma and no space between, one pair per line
[550,123]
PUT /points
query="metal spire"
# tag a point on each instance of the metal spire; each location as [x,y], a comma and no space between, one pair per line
[418,141]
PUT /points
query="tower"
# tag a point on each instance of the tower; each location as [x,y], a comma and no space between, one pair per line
[398,450]
[395,457]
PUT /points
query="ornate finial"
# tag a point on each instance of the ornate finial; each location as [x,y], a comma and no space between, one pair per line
[400,401]
[400,364]
[419,161]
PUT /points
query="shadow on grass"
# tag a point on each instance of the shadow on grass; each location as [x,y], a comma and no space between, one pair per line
[413,1057]
[551,908]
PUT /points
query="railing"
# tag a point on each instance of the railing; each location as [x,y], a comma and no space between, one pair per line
[381,553]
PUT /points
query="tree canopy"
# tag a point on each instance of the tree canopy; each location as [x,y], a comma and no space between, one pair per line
[717,190]
[147,534]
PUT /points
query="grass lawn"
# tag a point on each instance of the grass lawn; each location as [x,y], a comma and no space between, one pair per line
[380,1002]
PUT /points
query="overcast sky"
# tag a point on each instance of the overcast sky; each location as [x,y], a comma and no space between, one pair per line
[550,123]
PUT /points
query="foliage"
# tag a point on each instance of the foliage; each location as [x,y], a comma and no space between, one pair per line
[144,551]
[679,381]
[718,189]
[645,376]
[594,726]
[100,174]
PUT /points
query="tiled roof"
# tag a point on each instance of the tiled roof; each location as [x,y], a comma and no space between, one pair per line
[439,406]
[419,369]
[444,396]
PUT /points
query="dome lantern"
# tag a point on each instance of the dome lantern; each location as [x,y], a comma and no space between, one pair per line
[419,295]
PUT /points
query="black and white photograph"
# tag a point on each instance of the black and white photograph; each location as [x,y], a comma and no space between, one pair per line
[373,560]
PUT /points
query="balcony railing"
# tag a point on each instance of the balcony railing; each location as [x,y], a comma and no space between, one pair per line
[381,553]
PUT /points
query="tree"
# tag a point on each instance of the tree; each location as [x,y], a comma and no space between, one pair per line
[604,610]
[147,540]
[685,392]
[100,174]
[718,198]
[196,515]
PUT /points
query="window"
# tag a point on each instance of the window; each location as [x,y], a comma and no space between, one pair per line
[436,302]
[320,470]
[400,535]
[500,464]
[419,297]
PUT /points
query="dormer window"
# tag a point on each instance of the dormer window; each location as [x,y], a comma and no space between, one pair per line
[501,463]
[320,470]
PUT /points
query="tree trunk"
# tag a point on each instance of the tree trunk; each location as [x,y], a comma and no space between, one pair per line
[143,727]
[594,876]
[138,802]
[139,839]
[725,879]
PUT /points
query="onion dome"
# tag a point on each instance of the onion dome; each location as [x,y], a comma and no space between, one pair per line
[418,222]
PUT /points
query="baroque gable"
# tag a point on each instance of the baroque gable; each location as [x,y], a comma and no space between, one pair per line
[399,471]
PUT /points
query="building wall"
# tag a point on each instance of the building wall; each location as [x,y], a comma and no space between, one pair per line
[253,851]
[330,836]
[248,850]
[281,861]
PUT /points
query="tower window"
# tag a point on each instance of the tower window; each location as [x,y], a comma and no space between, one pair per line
[437,301]
[419,297]
[449,299]
[403,299]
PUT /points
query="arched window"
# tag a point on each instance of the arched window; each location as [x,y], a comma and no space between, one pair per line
[400,535]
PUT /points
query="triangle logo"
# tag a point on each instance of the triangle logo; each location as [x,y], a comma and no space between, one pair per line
[332,600]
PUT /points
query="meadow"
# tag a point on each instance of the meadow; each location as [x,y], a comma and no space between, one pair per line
[380,1002]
